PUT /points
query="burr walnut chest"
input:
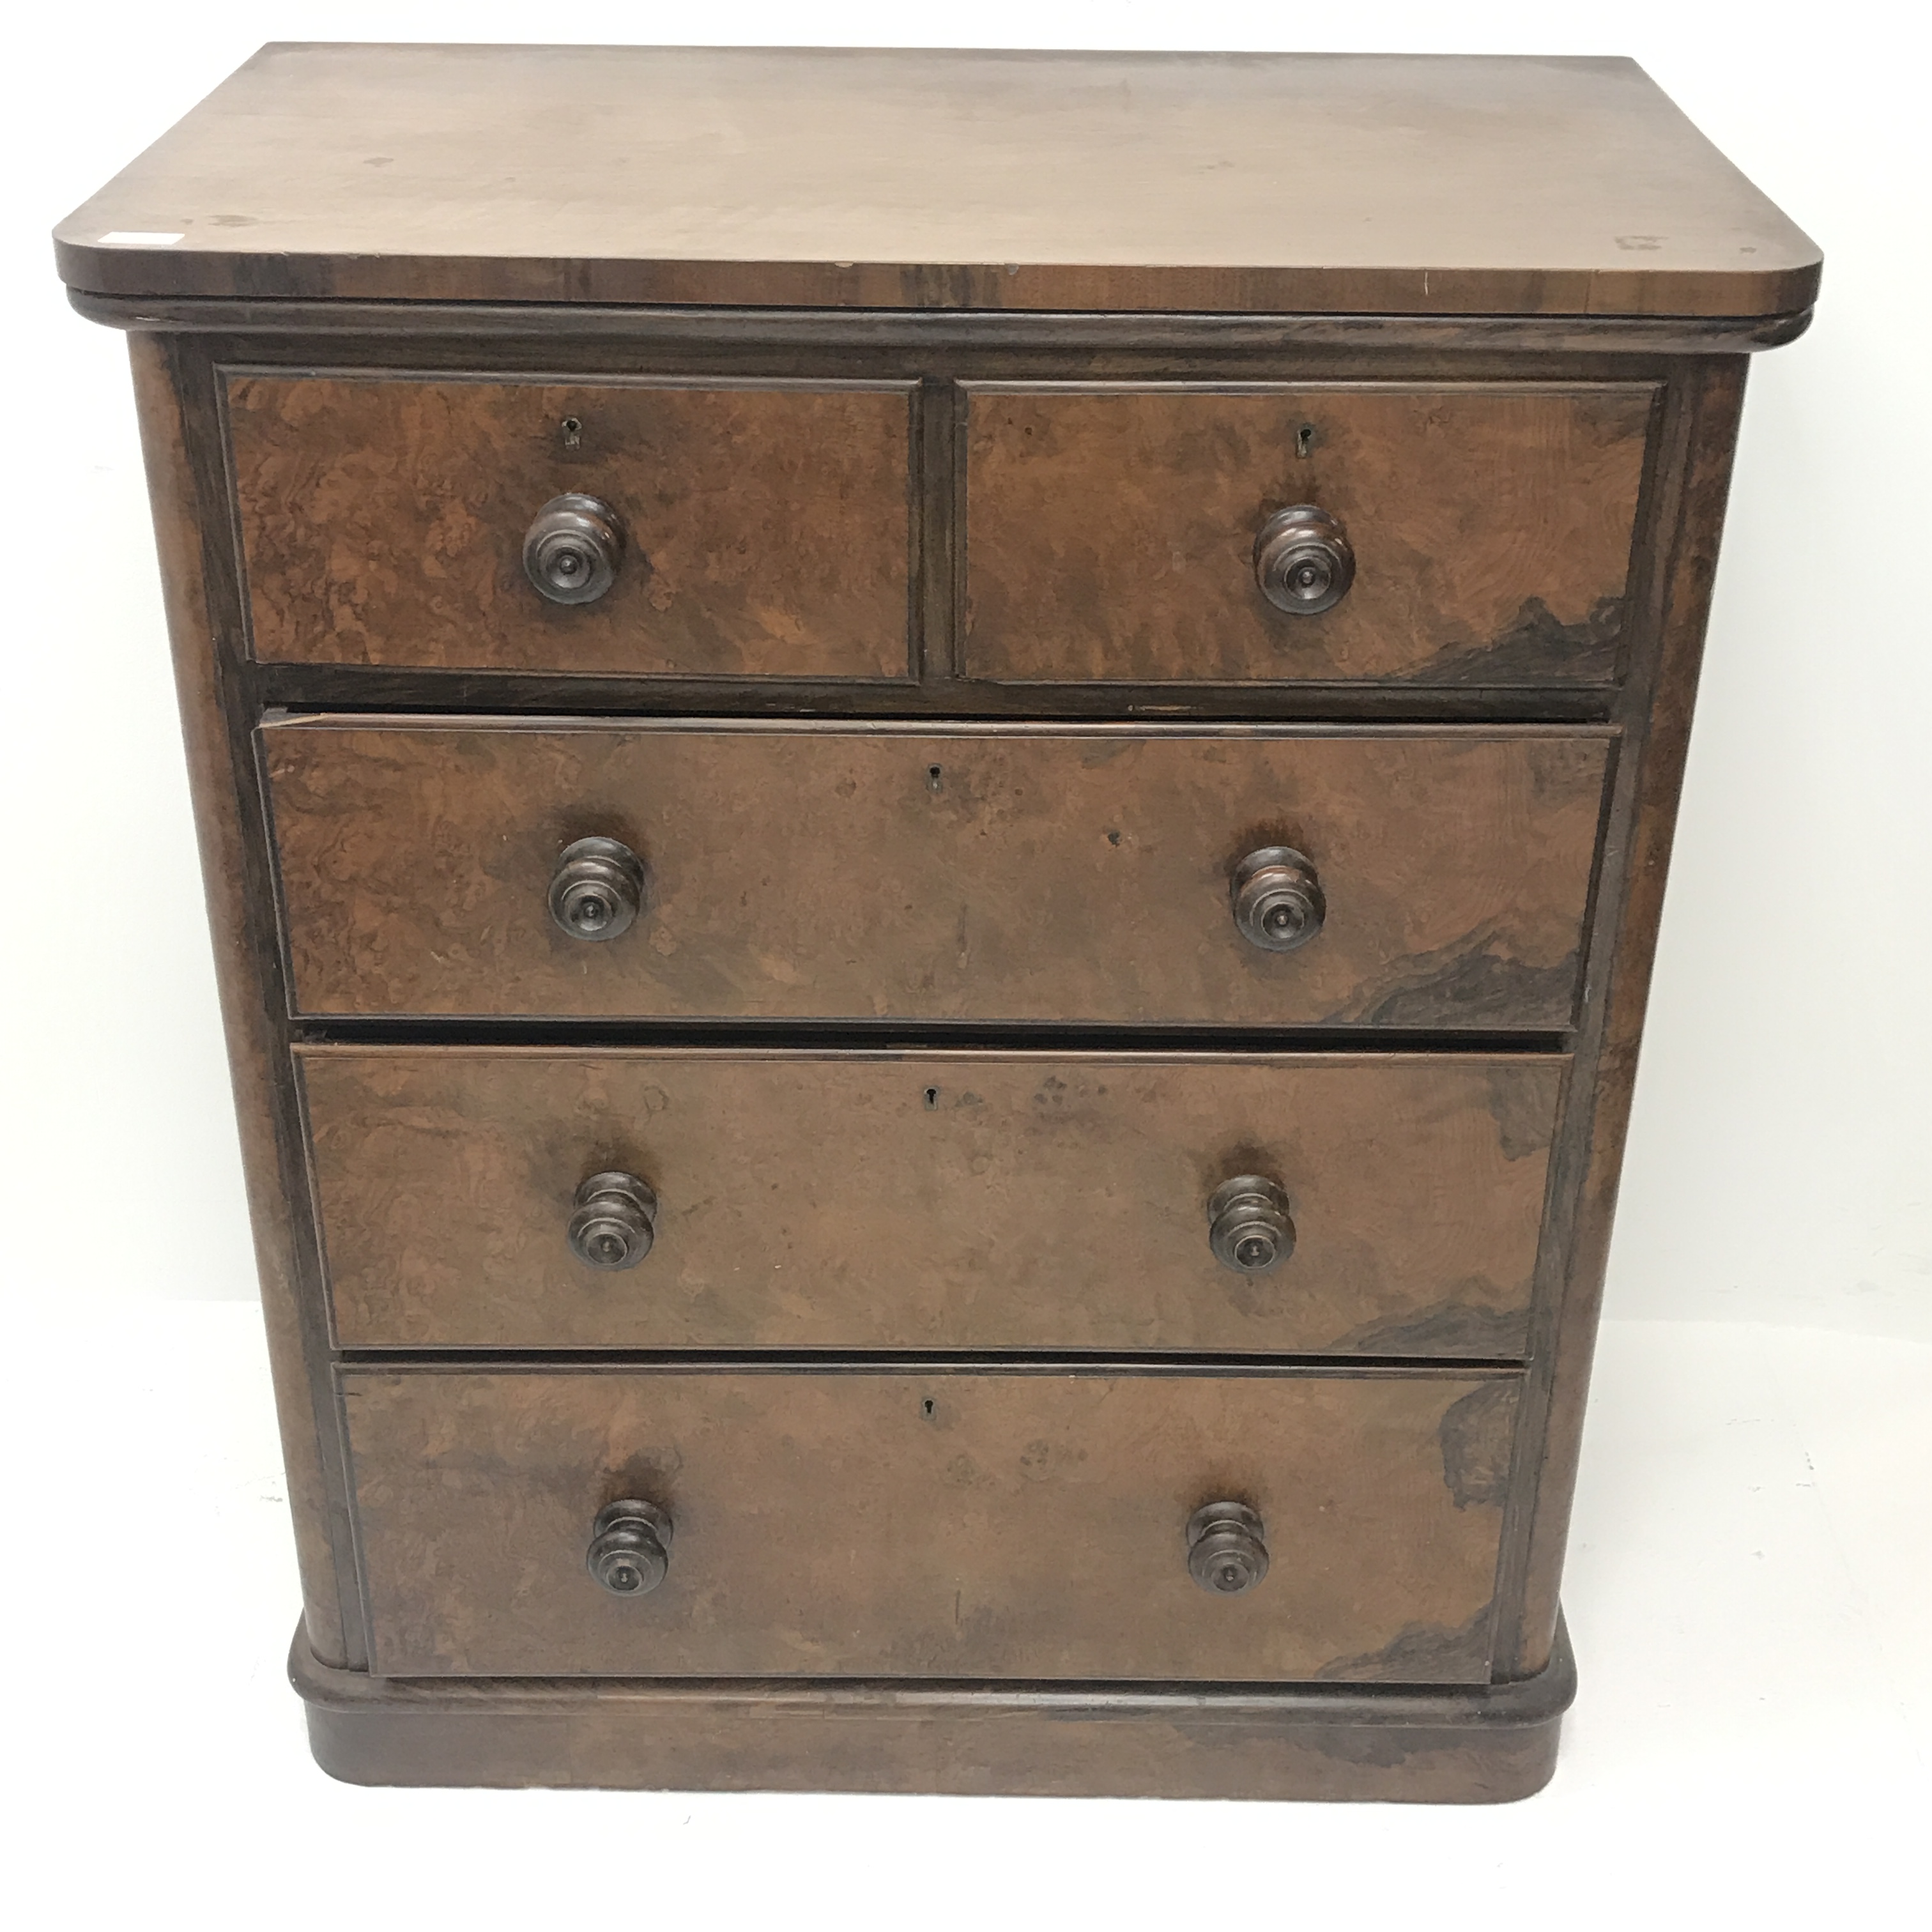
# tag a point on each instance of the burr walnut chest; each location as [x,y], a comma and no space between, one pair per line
[934,789]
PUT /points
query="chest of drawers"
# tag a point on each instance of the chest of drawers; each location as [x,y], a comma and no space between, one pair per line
[934,789]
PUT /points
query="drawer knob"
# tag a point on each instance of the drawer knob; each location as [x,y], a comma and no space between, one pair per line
[1279,903]
[573,549]
[597,889]
[630,1547]
[613,1221]
[1225,1553]
[1303,561]
[1248,1225]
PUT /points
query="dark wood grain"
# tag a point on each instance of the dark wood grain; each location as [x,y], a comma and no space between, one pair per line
[1709,404]
[1066,873]
[487,331]
[912,1200]
[1467,1744]
[233,876]
[383,520]
[833,177]
[913,1524]
[1111,533]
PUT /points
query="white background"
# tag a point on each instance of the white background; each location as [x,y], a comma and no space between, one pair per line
[1773,1252]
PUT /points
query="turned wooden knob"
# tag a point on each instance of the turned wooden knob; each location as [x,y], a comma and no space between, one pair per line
[1278,901]
[613,1221]
[598,889]
[1225,1554]
[630,1547]
[573,549]
[1303,561]
[1248,1225]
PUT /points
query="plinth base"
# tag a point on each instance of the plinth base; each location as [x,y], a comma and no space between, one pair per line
[1465,1745]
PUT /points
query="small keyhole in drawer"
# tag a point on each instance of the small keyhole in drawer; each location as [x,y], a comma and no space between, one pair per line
[932,1099]
[934,778]
[928,1407]
[571,430]
[1304,440]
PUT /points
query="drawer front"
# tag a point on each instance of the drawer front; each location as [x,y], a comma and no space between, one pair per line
[768,529]
[930,1201]
[909,1525]
[1111,533]
[1064,874]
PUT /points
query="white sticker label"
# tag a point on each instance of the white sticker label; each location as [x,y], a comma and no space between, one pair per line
[136,237]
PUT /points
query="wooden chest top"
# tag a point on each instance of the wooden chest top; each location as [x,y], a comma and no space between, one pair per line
[1264,183]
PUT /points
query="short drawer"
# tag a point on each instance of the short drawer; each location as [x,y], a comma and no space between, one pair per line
[998,873]
[766,529]
[1112,532]
[915,1202]
[897,1524]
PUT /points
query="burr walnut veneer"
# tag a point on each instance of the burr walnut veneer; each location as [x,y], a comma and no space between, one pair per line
[934,789]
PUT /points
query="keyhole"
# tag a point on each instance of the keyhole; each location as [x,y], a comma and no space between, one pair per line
[1304,440]
[934,778]
[572,432]
[932,1099]
[927,1407]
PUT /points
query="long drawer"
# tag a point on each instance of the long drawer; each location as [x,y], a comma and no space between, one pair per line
[1027,873]
[916,1201]
[895,1524]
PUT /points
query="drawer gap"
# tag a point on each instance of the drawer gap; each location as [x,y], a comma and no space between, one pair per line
[849,1361]
[890,1038]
